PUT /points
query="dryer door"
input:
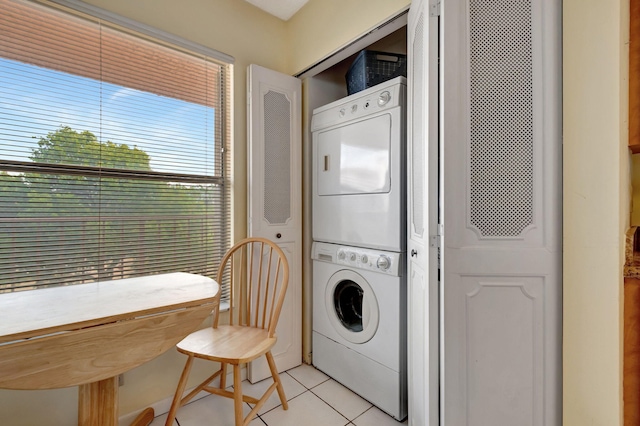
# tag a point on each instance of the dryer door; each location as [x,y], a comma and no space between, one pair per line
[352,306]
[354,158]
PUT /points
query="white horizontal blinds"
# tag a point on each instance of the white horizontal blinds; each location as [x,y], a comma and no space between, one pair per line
[111,152]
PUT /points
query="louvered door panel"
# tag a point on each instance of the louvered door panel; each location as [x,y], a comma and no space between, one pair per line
[501,257]
[274,195]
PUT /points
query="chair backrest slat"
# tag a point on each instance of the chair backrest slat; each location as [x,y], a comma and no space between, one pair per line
[245,302]
[266,291]
[273,293]
[257,283]
[232,283]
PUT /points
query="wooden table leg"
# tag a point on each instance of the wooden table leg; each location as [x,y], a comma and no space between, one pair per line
[98,403]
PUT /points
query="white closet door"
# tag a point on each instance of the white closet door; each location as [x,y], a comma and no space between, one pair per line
[502,278]
[275,197]
[422,243]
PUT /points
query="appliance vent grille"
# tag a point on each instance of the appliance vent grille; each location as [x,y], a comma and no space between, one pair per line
[277,166]
[501,117]
[417,139]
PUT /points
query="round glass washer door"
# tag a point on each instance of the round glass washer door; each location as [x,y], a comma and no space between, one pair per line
[352,306]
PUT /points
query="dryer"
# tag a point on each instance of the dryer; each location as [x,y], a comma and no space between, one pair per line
[358,173]
[359,322]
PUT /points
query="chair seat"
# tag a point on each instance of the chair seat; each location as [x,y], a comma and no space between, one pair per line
[232,344]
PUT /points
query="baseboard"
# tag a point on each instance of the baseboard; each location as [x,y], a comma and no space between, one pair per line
[163,406]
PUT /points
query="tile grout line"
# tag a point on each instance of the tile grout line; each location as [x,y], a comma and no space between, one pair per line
[305,386]
[332,407]
[306,389]
[288,400]
[324,381]
[350,421]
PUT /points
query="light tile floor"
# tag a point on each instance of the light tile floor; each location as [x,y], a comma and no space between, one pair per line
[314,400]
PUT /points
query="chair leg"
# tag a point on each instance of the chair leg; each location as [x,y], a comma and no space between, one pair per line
[223,375]
[237,395]
[276,378]
[179,391]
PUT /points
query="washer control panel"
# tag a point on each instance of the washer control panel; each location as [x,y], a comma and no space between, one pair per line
[362,258]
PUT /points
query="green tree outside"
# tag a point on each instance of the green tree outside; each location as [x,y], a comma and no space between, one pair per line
[86,227]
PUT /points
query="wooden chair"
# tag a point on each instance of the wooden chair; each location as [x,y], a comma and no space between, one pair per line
[258,273]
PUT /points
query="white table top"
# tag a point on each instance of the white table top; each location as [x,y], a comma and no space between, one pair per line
[39,312]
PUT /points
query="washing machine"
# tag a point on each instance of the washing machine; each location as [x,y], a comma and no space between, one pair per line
[359,322]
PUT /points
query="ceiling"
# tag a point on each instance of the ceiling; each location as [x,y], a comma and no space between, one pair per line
[283,9]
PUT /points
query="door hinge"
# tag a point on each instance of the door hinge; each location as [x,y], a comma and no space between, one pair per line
[436,240]
[434,8]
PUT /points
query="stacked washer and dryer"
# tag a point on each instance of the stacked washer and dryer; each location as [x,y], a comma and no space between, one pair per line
[359,249]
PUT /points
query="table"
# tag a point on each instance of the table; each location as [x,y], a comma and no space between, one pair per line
[87,334]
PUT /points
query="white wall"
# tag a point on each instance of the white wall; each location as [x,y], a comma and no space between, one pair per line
[596,207]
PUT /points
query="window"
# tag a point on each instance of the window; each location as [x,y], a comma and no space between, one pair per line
[114,151]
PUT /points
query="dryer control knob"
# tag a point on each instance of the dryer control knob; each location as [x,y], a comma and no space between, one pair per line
[384,98]
[352,257]
[342,112]
[383,262]
[364,259]
[341,255]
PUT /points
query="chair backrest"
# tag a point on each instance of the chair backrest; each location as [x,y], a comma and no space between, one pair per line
[258,273]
